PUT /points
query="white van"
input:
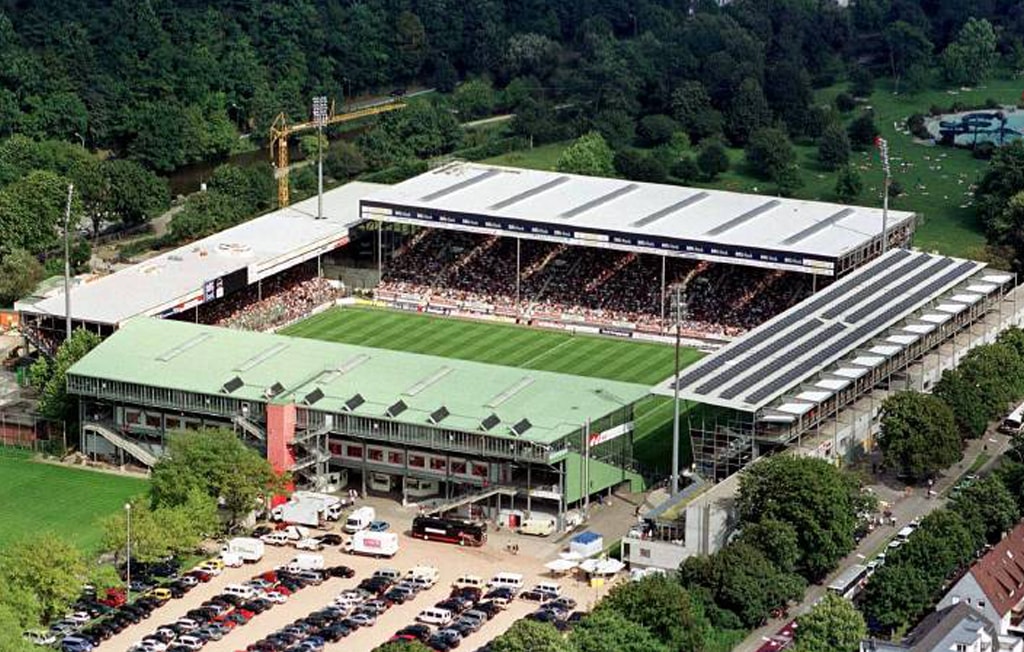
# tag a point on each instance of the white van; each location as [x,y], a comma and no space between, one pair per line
[435,616]
[551,590]
[360,519]
[513,581]
[244,592]
[388,574]
[424,576]
[539,527]
[275,539]
[469,582]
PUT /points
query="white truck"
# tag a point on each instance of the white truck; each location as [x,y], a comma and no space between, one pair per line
[372,544]
[249,549]
[360,519]
[309,508]
[305,562]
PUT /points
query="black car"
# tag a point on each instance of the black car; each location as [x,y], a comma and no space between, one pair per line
[544,616]
[489,608]
[439,643]
[398,597]
[452,605]
[339,571]
[335,632]
[500,593]
[419,632]
[533,596]
[463,628]
[330,539]
[261,530]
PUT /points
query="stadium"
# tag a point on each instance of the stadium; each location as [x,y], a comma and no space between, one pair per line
[805,312]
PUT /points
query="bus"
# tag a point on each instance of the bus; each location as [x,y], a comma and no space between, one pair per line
[850,582]
[1012,424]
[450,530]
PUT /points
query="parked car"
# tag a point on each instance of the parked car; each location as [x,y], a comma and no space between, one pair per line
[378,526]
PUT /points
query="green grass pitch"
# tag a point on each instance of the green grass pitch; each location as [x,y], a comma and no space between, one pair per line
[37,497]
[516,346]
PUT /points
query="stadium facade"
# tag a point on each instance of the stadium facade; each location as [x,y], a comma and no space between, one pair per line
[384,419]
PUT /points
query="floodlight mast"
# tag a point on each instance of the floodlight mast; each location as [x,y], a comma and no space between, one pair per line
[320,117]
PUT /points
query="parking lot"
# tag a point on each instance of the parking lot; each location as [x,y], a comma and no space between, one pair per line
[451,561]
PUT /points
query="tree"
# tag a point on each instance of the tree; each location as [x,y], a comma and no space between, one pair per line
[535,119]
[134,194]
[474,99]
[656,129]
[251,186]
[862,82]
[748,112]
[691,107]
[988,508]
[970,57]
[776,540]
[530,636]
[848,184]
[896,594]
[616,126]
[832,625]
[217,462]
[48,376]
[819,501]
[640,166]
[47,567]
[769,153]
[712,159]
[344,161]
[1003,179]
[20,272]
[31,209]
[908,46]
[662,607]
[834,147]
[609,631]
[918,434]
[863,132]
[590,155]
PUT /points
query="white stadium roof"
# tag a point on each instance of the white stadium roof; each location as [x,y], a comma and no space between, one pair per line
[617,213]
[177,280]
[837,330]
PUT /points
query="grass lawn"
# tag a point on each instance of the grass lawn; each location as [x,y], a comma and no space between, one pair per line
[935,179]
[38,497]
[517,346]
[542,157]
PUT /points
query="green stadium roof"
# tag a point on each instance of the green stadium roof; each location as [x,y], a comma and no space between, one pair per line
[203,359]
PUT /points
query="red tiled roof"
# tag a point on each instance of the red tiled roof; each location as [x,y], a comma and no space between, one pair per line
[1000,573]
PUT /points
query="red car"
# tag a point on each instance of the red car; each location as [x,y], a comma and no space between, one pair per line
[114,598]
[270,576]
[201,575]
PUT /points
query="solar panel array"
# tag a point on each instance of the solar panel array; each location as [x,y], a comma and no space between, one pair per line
[796,344]
[868,277]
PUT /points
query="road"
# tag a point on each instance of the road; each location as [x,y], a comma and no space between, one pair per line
[912,505]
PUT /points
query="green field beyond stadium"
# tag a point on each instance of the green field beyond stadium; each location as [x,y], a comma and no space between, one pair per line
[517,346]
[38,497]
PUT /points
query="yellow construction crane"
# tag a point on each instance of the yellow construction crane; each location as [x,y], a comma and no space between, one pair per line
[280,131]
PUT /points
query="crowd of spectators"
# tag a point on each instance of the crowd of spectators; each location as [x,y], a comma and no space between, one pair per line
[283,298]
[589,284]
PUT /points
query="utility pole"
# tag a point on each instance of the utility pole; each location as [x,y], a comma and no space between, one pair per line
[128,562]
[320,116]
[675,397]
[67,264]
[883,151]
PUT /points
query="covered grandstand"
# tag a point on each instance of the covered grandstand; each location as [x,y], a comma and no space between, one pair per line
[816,238]
[180,281]
[324,410]
[792,377]
[606,255]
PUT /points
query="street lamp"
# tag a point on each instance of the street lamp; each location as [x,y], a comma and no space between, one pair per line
[883,151]
[319,117]
[67,263]
[81,138]
[128,545]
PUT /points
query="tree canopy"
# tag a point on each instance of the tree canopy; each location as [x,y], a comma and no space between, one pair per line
[833,625]
[918,434]
[48,375]
[819,501]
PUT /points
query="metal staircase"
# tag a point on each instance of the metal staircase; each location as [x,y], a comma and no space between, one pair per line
[144,456]
[441,505]
[249,427]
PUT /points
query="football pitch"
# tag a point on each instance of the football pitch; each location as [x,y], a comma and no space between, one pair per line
[38,497]
[517,346]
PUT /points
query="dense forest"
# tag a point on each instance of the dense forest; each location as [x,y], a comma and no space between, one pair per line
[168,82]
[108,94]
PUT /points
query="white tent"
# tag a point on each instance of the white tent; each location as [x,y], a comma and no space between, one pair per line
[560,565]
